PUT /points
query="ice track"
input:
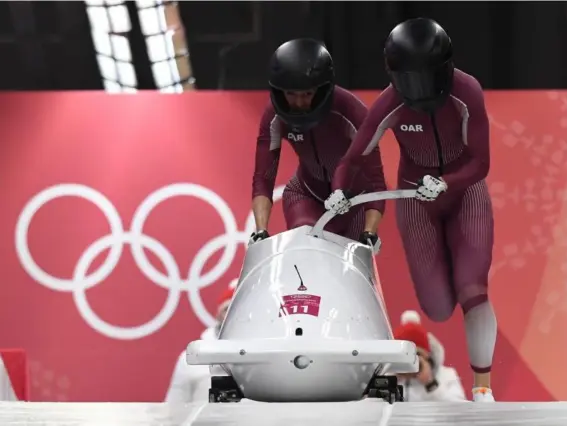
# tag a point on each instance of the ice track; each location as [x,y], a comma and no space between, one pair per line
[364,413]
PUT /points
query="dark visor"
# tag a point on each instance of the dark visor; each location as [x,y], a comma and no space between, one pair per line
[319,96]
[416,85]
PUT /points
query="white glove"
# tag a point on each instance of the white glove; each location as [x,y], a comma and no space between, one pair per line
[429,188]
[337,202]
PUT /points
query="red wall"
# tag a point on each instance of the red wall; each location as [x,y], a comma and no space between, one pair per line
[126,147]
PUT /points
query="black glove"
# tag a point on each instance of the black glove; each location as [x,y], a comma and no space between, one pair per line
[365,236]
[260,235]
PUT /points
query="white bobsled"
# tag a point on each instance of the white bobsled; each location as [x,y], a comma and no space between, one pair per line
[308,323]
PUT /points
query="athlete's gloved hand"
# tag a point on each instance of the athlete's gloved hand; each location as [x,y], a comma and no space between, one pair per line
[371,239]
[259,235]
[429,188]
[337,202]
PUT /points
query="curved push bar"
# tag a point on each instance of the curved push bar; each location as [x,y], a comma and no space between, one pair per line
[317,230]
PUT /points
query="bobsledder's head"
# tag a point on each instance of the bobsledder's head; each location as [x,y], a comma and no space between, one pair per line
[302,83]
[419,61]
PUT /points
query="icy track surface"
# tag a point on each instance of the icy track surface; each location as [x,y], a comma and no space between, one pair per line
[364,413]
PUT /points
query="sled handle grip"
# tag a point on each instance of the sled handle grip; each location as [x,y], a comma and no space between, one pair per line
[317,230]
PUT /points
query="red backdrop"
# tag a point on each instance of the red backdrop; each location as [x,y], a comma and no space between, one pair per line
[120,149]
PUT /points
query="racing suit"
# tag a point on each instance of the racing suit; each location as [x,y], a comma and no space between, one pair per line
[319,150]
[448,243]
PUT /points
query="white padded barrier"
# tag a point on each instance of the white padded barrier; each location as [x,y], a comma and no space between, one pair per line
[247,413]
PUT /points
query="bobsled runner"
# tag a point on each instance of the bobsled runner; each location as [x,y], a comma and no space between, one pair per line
[308,323]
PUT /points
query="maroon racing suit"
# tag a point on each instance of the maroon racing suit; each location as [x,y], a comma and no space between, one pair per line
[447,242]
[319,151]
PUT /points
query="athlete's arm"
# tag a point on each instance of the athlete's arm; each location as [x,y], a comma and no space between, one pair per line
[477,136]
[268,149]
[355,112]
[364,153]
[262,208]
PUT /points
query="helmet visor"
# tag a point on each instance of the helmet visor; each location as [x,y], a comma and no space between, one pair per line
[422,85]
[317,95]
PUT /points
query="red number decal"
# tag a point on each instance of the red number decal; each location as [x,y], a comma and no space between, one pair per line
[300,304]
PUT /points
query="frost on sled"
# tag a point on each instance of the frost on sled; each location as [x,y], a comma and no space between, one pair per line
[308,323]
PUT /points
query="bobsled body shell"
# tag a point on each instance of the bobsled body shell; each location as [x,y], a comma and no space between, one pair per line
[337,270]
[296,286]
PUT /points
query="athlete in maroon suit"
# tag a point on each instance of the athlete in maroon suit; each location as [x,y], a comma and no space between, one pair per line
[438,116]
[320,121]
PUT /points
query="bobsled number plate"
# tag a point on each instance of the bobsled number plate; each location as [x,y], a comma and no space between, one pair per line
[300,304]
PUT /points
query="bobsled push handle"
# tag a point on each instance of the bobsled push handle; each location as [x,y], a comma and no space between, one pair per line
[317,230]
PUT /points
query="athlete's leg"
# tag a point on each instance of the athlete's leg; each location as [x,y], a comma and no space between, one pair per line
[303,208]
[470,236]
[299,206]
[426,253]
[353,223]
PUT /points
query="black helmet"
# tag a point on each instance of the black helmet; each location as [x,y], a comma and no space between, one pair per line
[419,60]
[300,65]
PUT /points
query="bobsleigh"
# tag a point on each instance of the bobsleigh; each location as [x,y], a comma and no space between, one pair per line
[308,323]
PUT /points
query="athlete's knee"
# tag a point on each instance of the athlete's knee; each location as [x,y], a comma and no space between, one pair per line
[434,291]
[298,217]
[472,294]
[440,311]
[438,305]
[301,221]
[301,212]
[473,302]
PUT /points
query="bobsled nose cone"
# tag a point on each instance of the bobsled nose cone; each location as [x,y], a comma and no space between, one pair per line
[301,362]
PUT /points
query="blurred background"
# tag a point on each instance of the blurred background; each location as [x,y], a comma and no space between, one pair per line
[85,116]
[123,46]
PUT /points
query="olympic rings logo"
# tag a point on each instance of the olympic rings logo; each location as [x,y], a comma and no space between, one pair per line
[173,280]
